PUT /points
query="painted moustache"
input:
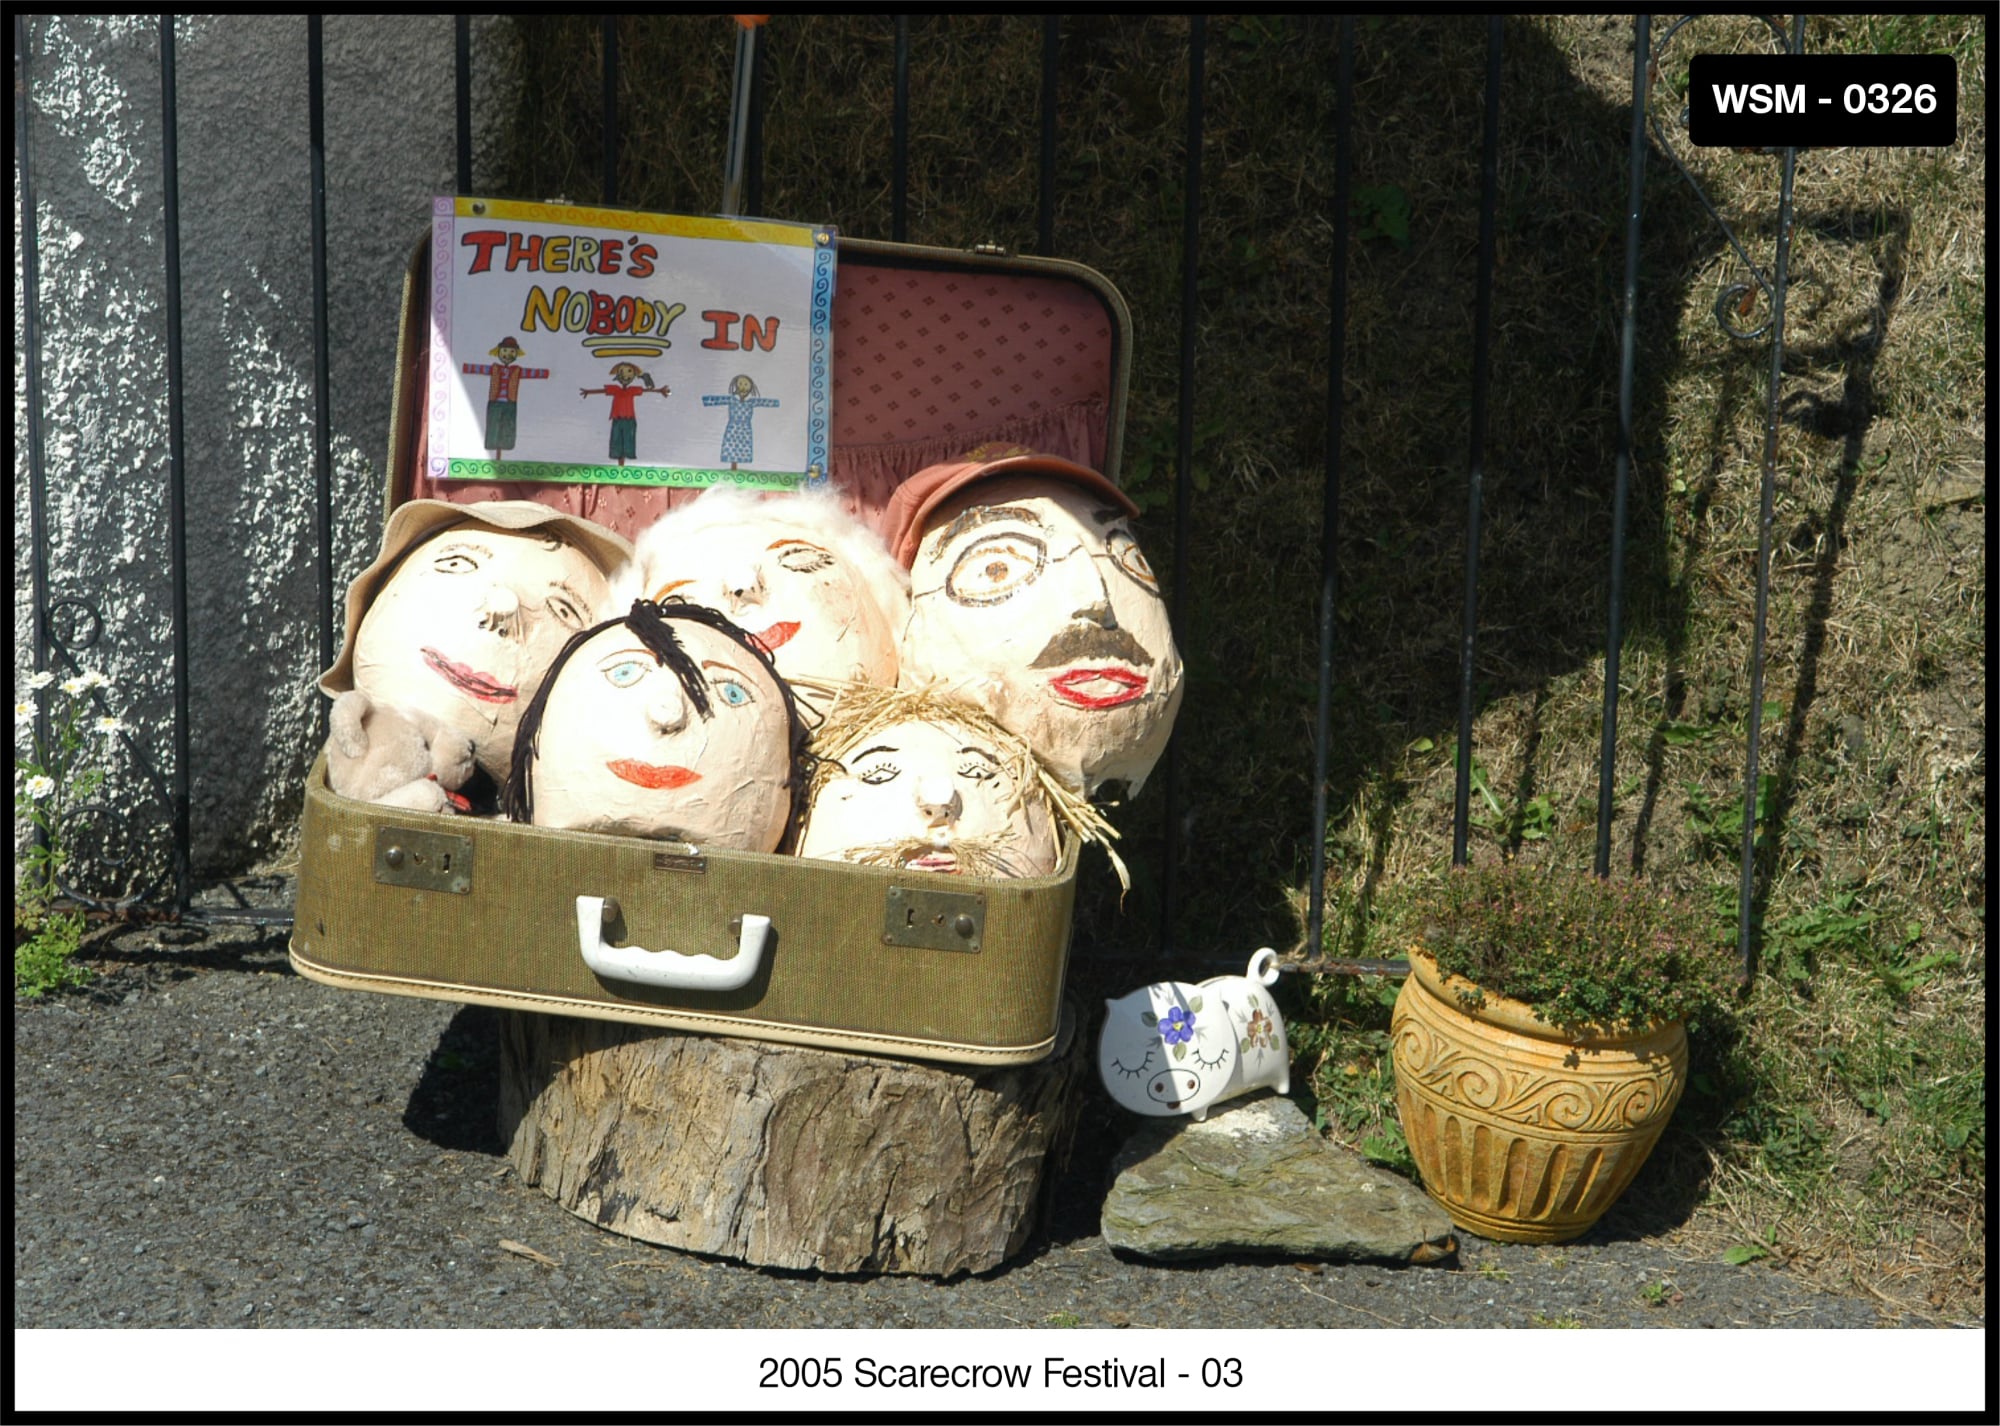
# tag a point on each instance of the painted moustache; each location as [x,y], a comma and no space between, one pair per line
[1090,643]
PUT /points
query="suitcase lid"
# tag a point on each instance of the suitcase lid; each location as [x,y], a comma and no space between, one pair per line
[935,352]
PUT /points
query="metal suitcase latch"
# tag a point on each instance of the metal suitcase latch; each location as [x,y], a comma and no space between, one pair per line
[934,920]
[429,861]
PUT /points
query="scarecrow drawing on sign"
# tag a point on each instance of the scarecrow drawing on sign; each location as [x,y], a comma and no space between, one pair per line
[503,391]
[625,406]
[742,402]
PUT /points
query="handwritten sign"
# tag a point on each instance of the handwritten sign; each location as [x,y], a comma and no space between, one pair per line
[603,346]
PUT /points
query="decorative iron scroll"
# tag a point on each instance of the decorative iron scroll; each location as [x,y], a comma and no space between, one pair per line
[1736,299]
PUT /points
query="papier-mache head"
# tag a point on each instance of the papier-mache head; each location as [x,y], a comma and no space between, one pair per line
[668,722]
[464,608]
[1029,595]
[810,583]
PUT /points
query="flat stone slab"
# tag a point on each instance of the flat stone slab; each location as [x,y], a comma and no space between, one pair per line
[1256,1178]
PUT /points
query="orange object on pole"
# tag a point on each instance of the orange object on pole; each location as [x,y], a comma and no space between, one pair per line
[749,22]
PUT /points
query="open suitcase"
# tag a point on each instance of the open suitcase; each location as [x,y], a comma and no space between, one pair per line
[935,352]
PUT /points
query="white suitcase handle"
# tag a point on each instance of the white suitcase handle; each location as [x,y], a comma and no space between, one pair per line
[669,968]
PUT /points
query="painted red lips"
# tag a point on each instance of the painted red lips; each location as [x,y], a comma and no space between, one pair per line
[1098,687]
[470,680]
[653,775]
[775,637]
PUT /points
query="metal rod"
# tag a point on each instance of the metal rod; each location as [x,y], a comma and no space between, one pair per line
[1482,341]
[1627,358]
[322,410]
[31,293]
[462,69]
[1329,536]
[1051,51]
[1746,890]
[176,460]
[1341,965]
[753,163]
[610,29]
[1184,475]
[737,156]
[899,210]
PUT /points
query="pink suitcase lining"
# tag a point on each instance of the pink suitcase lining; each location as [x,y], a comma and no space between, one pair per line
[927,364]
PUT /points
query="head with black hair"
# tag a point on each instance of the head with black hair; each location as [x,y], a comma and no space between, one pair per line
[668,722]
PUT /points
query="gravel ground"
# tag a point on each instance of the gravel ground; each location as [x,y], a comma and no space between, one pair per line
[203,1138]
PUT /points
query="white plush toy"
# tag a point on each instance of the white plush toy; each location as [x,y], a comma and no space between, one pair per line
[397,758]
[1175,1048]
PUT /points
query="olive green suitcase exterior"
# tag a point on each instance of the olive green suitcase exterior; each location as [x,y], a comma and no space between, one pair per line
[935,352]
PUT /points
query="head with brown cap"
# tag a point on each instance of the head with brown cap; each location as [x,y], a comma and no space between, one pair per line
[1029,596]
[464,608]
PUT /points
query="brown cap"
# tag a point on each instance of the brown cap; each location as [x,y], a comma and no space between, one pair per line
[930,487]
[414,519]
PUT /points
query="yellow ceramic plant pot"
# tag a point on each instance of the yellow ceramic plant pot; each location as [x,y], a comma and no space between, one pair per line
[1521,1133]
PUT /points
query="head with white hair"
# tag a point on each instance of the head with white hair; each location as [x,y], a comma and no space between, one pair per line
[810,583]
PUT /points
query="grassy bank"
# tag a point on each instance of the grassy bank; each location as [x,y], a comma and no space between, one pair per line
[1839,1129]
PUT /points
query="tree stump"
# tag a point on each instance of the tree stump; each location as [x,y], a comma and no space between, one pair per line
[784,1156]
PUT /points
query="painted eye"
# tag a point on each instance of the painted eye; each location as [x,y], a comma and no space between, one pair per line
[624,673]
[1125,552]
[977,769]
[1143,1065]
[804,558]
[565,612]
[993,569]
[1221,1058]
[876,773]
[455,563]
[732,693]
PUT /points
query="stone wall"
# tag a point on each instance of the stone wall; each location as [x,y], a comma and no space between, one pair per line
[95,127]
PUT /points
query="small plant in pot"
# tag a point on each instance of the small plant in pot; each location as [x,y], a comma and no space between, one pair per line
[1540,1041]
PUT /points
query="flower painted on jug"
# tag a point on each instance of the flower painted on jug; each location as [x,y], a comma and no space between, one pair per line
[1258,1034]
[1176,1026]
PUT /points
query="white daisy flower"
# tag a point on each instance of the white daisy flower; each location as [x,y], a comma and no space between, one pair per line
[41,680]
[40,786]
[24,712]
[109,725]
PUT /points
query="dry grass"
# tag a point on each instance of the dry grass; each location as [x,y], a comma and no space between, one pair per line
[1845,1122]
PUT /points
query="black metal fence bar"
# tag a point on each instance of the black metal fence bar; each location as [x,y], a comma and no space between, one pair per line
[1184,473]
[1046,206]
[322,410]
[899,210]
[610,78]
[176,461]
[1614,635]
[31,331]
[462,76]
[1746,889]
[1482,342]
[1329,536]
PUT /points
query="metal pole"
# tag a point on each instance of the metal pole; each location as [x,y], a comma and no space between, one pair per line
[1329,542]
[1746,890]
[1184,476]
[176,462]
[610,26]
[1051,51]
[739,119]
[462,69]
[1482,340]
[31,294]
[1627,355]
[899,212]
[322,412]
